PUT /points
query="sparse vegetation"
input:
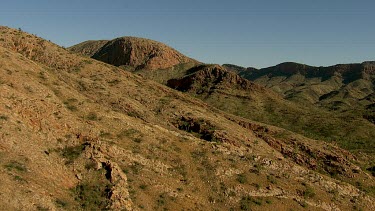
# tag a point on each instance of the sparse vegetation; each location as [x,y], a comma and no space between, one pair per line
[61,203]
[161,200]
[72,153]
[104,134]
[19,178]
[137,140]
[271,179]
[128,133]
[308,192]
[303,204]
[133,114]
[143,186]
[93,191]
[114,82]
[247,201]
[90,165]
[42,76]
[241,178]
[256,185]
[87,61]
[41,208]
[3,117]
[257,168]
[136,167]
[92,116]
[69,103]
[15,165]
[82,84]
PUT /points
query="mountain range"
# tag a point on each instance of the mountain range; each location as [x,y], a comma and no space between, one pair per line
[132,124]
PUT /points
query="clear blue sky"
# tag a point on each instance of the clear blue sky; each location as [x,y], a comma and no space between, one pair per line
[255,33]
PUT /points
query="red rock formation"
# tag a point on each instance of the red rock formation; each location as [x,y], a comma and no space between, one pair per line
[139,53]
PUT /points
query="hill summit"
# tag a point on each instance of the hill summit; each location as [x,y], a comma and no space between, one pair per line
[132,52]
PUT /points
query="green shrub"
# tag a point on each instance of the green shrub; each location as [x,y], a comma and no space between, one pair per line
[246,201]
[114,82]
[69,104]
[133,114]
[308,192]
[92,116]
[128,133]
[72,153]
[19,178]
[16,166]
[137,140]
[87,61]
[161,200]
[241,178]
[257,185]
[105,134]
[40,208]
[143,187]
[136,167]
[92,196]
[303,204]
[61,203]
[271,179]
[3,117]
[72,107]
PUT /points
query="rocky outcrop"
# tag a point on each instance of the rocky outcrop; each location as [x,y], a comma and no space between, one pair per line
[202,129]
[119,194]
[210,76]
[330,159]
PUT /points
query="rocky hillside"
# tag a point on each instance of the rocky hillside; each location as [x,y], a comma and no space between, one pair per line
[88,48]
[229,92]
[133,53]
[77,134]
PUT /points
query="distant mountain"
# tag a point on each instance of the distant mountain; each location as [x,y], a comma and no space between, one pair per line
[335,87]
[132,53]
[238,69]
[348,89]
